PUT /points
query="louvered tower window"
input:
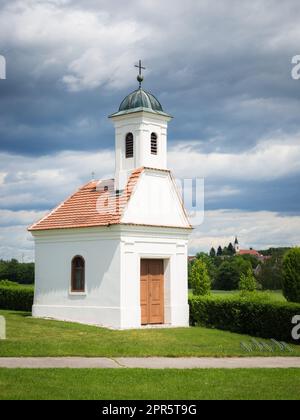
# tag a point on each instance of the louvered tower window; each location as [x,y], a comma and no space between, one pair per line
[129,146]
[153,144]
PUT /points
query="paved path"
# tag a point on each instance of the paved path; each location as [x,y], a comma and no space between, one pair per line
[150,363]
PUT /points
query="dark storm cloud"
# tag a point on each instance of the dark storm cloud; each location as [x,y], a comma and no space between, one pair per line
[277,196]
[208,66]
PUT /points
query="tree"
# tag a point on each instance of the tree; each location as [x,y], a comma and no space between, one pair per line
[220,251]
[212,252]
[225,251]
[210,265]
[17,272]
[248,281]
[270,274]
[230,249]
[274,252]
[229,273]
[252,259]
[200,279]
[291,275]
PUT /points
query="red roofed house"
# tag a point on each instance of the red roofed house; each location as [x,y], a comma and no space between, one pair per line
[248,251]
[114,253]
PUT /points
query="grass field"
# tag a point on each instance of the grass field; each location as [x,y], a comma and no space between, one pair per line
[275,295]
[27,336]
[135,384]
[270,295]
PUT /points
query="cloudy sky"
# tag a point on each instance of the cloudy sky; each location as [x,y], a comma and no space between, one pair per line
[222,68]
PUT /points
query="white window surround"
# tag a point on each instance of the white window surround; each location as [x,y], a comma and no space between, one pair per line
[77,293]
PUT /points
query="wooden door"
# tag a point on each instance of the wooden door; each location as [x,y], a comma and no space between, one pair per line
[152,291]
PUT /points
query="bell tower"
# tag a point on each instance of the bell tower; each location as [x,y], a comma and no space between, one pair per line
[236,245]
[140,134]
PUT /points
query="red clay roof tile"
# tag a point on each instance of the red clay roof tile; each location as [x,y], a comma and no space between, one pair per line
[249,252]
[92,205]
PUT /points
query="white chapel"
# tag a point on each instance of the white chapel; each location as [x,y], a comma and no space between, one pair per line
[114,253]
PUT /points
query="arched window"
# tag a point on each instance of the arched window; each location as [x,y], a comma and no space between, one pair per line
[78,274]
[153,144]
[129,145]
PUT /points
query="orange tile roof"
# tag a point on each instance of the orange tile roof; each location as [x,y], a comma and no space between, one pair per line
[94,204]
[249,252]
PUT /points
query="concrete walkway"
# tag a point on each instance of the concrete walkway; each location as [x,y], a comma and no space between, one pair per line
[151,363]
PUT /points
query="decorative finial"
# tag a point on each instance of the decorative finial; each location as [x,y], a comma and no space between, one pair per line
[140,77]
[93,176]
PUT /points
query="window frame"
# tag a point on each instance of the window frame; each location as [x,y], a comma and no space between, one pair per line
[73,279]
[129,146]
[154,144]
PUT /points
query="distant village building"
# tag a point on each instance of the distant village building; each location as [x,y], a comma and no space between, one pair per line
[250,251]
[238,251]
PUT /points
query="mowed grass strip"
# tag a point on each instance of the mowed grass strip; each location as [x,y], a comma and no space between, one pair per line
[27,336]
[139,384]
[270,295]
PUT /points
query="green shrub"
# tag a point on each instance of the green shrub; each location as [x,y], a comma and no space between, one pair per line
[248,282]
[229,273]
[16,298]
[291,275]
[8,283]
[200,279]
[245,315]
[270,273]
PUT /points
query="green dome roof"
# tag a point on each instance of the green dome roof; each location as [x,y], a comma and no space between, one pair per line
[140,99]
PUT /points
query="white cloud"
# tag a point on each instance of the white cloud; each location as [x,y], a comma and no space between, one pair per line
[92,47]
[259,230]
[270,159]
[217,192]
[15,240]
[2,177]
[45,181]
[97,42]
[33,183]
[18,218]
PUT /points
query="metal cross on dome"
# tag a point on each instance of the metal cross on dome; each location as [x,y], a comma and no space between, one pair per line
[140,77]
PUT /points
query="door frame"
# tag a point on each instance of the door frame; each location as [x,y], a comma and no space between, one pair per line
[165,261]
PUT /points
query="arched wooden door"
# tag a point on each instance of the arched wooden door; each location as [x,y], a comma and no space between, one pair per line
[152,291]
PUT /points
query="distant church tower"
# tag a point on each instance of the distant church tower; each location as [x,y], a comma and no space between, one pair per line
[236,245]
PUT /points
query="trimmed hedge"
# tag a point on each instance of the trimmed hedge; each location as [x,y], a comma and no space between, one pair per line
[16,298]
[245,316]
[8,283]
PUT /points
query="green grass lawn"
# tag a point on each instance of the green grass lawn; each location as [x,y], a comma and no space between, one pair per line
[273,295]
[135,384]
[27,336]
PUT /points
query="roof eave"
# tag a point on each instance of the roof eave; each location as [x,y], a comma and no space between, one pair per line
[139,110]
[108,225]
